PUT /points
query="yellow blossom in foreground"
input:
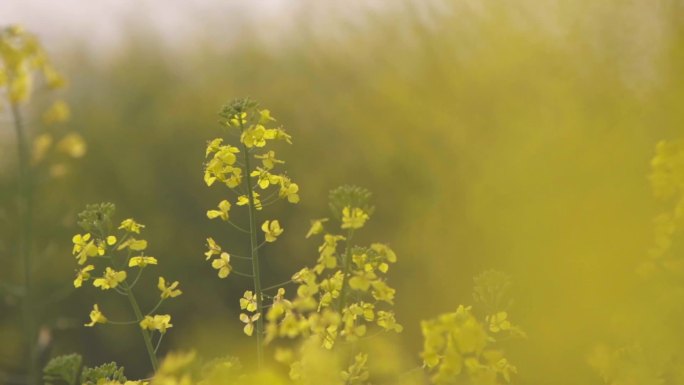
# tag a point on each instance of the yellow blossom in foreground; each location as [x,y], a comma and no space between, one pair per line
[499,322]
[110,280]
[248,301]
[213,146]
[264,178]
[316,227]
[83,275]
[222,264]
[353,218]
[249,322]
[213,248]
[222,212]
[256,136]
[41,145]
[72,145]
[131,226]
[134,244]
[159,322]
[96,317]
[269,160]
[58,112]
[169,291]
[243,200]
[271,230]
[289,190]
[142,261]
[84,247]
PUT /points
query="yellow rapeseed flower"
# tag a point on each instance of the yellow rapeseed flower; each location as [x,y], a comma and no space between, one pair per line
[316,227]
[72,145]
[249,322]
[133,244]
[222,264]
[142,261]
[353,218]
[243,200]
[289,190]
[214,249]
[271,230]
[131,226]
[83,275]
[159,322]
[110,280]
[96,317]
[84,247]
[269,160]
[248,301]
[499,322]
[222,212]
[256,136]
[169,291]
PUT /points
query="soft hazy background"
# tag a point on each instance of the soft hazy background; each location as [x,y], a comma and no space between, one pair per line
[513,135]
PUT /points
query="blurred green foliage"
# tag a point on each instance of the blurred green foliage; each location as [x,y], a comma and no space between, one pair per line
[513,136]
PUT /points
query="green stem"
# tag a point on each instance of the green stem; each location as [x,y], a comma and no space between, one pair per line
[347,268]
[145,334]
[26,216]
[254,252]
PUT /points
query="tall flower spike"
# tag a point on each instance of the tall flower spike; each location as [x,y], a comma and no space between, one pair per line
[115,261]
[249,166]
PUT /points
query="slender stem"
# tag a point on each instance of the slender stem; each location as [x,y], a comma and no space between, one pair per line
[161,336]
[121,322]
[155,307]
[137,277]
[278,285]
[145,334]
[26,191]
[238,227]
[242,274]
[347,268]
[254,254]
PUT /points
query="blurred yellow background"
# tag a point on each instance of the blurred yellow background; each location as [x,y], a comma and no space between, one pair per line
[495,135]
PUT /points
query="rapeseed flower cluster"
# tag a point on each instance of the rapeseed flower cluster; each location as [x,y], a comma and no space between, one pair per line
[249,169]
[24,67]
[647,350]
[459,346]
[667,182]
[114,260]
[340,298]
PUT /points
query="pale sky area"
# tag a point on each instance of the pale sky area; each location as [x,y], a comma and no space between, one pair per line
[101,24]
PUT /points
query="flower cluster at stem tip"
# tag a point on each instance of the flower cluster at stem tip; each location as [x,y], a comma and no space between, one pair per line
[114,260]
[247,168]
[458,345]
[25,67]
[340,298]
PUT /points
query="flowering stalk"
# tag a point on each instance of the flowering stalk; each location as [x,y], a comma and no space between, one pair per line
[347,269]
[98,243]
[26,217]
[254,253]
[151,352]
[256,170]
[20,56]
[340,299]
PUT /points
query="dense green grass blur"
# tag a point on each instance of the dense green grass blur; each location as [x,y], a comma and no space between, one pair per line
[495,135]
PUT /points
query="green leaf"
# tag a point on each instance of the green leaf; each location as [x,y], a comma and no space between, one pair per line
[63,369]
[106,372]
